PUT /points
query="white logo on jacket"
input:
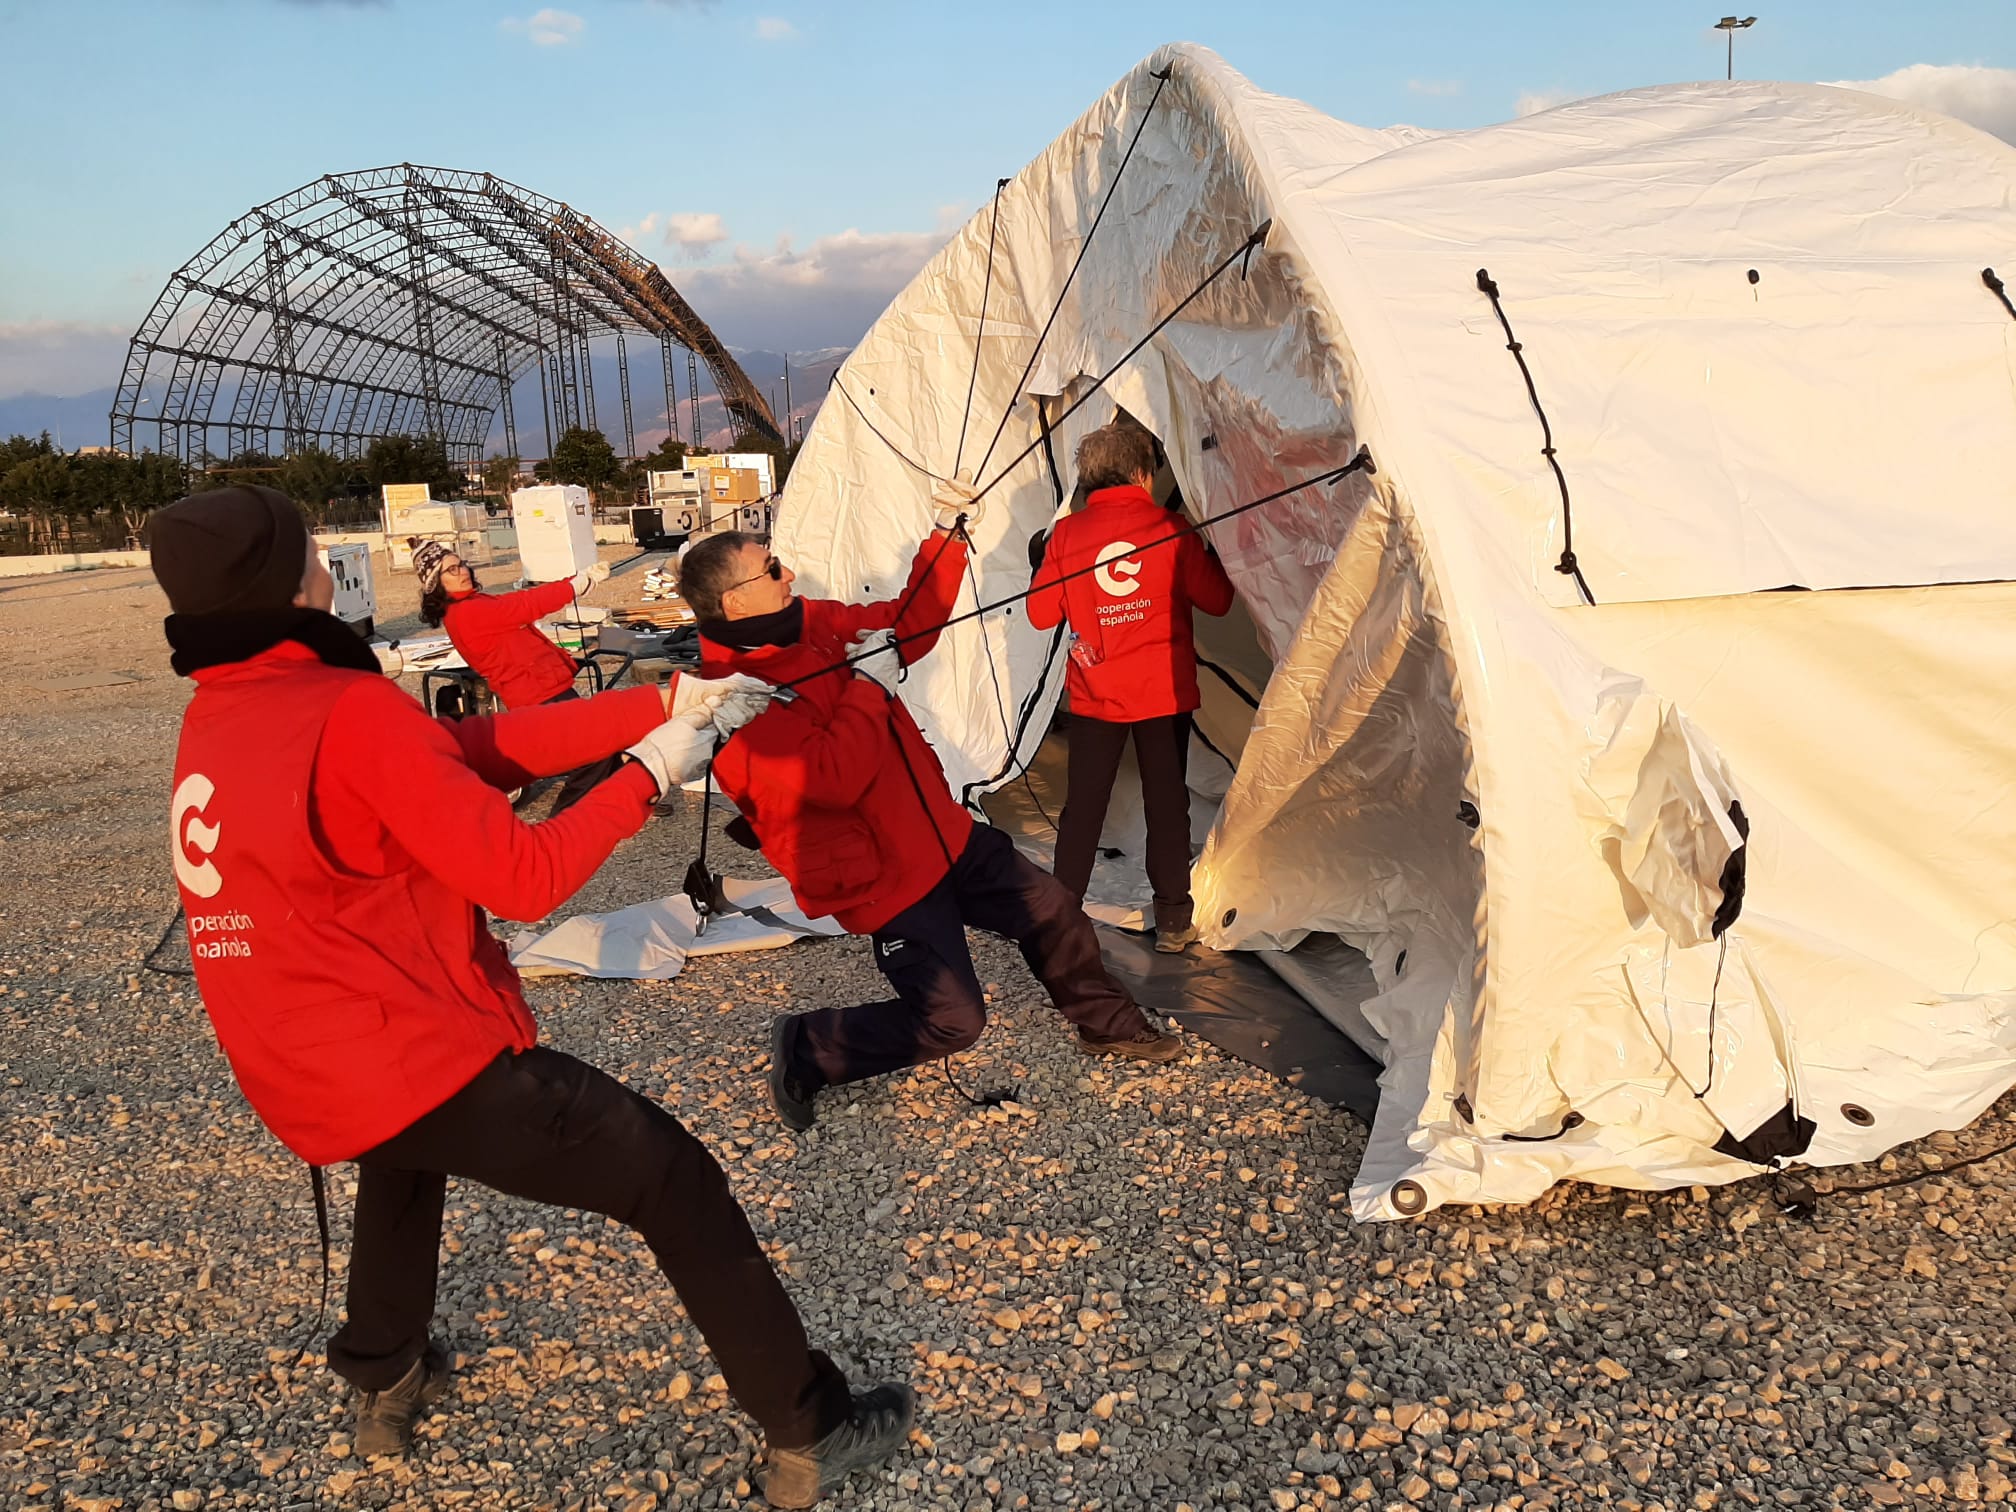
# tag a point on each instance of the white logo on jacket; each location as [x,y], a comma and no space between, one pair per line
[1117,579]
[186,827]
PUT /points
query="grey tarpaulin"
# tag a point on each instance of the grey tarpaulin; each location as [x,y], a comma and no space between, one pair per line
[1237,1003]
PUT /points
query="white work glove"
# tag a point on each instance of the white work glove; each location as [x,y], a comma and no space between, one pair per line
[880,660]
[676,751]
[707,694]
[954,497]
[739,706]
[727,702]
[589,576]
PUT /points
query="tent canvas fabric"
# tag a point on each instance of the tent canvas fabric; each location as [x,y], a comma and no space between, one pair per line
[1755,319]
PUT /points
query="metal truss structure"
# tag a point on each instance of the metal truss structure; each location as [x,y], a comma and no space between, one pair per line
[404,301]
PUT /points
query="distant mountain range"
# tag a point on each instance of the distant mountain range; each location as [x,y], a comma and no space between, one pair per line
[82,419]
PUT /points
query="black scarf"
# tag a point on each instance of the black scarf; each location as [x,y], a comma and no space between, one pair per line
[785,627]
[215,640]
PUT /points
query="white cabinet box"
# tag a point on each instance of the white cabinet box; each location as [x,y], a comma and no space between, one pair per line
[556,531]
[356,592]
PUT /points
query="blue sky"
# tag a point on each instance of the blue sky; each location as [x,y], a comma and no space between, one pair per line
[137,129]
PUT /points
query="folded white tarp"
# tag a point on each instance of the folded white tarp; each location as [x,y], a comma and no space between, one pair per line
[651,941]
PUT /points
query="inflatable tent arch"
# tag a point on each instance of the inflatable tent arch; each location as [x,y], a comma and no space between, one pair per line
[1752,349]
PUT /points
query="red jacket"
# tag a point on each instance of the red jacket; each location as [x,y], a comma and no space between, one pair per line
[822,777]
[494,633]
[1132,615]
[335,849]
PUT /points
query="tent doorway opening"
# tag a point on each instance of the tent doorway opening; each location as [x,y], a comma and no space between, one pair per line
[1296,1013]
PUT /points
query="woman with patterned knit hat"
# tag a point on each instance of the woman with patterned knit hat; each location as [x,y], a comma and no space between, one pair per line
[494,634]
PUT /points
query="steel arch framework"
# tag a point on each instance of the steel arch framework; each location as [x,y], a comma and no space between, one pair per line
[402,301]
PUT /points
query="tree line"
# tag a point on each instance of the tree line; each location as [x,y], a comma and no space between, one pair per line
[66,501]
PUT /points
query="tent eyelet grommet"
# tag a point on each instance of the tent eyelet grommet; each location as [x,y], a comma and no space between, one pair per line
[1230,915]
[1858,1115]
[1466,813]
[1409,1198]
[1752,275]
[1572,1121]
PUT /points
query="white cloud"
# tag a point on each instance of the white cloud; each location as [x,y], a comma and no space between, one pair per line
[825,293]
[1983,97]
[692,230]
[60,356]
[1435,88]
[774,29]
[1536,100]
[548,27]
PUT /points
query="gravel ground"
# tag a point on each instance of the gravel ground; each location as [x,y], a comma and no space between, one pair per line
[1137,1289]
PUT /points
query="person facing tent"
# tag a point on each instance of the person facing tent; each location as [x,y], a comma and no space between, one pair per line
[1126,589]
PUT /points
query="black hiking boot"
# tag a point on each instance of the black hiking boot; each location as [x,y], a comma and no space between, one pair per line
[385,1418]
[1149,1044]
[792,1102]
[877,1428]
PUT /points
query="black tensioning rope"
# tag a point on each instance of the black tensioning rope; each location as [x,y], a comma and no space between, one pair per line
[1714,997]
[1361,462]
[1243,251]
[986,289]
[901,456]
[1488,286]
[147,961]
[1162,82]
[1999,289]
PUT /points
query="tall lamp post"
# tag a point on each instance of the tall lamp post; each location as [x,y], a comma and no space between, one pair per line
[1731,25]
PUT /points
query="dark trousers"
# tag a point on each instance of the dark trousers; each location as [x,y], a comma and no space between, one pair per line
[581,779]
[939,1008]
[1162,751]
[549,1128]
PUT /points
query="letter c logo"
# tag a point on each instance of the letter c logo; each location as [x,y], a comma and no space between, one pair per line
[192,796]
[1117,579]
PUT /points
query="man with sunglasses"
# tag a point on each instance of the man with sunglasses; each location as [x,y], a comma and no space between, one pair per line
[847,800]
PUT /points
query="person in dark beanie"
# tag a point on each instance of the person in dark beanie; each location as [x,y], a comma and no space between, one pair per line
[336,850]
[1132,673]
[494,634]
[848,801]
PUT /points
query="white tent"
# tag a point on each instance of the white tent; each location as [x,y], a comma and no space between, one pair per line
[1757,325]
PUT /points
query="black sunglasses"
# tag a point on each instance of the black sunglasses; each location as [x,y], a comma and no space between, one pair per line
[773,570]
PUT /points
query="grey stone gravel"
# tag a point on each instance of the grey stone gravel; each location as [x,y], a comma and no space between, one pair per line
[1136,1288]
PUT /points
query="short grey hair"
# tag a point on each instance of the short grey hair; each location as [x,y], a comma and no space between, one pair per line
[1115,455]
[709,569]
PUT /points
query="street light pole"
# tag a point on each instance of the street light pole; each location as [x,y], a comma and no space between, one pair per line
[1730,25]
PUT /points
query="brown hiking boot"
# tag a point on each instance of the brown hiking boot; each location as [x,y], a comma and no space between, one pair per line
[1148,1045]
[875,1430]
[385,1418]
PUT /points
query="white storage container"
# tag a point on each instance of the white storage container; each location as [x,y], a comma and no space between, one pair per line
[356,592]
[556,531]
